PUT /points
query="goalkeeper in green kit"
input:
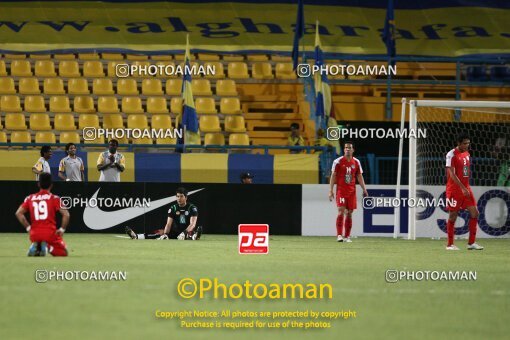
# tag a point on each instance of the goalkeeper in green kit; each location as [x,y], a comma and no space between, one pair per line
[180,224]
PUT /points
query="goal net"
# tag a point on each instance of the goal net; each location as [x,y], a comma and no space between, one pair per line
[488,126]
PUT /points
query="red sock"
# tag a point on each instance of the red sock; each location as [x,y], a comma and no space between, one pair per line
[339,224]
[472,230]
[450,229]
[348,226]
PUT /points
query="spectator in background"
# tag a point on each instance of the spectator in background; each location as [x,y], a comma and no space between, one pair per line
[111,163]
[246,178]
[71,167]
[42,164]
[295,138]
[321,140]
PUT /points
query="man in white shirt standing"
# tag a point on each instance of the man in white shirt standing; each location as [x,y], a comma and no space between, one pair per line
[71,167]
[111,163]
[42,164]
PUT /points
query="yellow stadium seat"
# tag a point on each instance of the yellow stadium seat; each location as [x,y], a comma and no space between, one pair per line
[107,105]
[88,120]
[162,57]
[230,106]
[15,56]
[238,70]
[15,121]
[68,56]
[69,68]
[257,57]
[40,121]
[226,87]
[142,70]
[214,139]
[21,137]
[176,105]
[3,137]
[238,139]
[102,86]
[284,71]
[35,104]
[93,68]
[210,124]
[165,141]
[235,124]
[111,68]
[180,57]
[69,137]
[262,71]
[167,66]
[59,104]
[10,104]
[45,137]
[7,86]
[64,122]
[205,106]
[29,86]
[3,69]
[21,68]
[53,86]
[88,56]
[208,57]
[113,121]
[152,87]
[161,122]
[233,57]
[142,140]
[219,71]
[137,122]
[78,86]
[127,87]
[281,59]
[45,68]
[174,87]
[84,104]
[156,105]
[201,87]
[95,140]
[136,57]
[132,105]
[112,56]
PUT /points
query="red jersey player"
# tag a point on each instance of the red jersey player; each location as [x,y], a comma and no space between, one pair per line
[345,171]
[43,207]
[458,192]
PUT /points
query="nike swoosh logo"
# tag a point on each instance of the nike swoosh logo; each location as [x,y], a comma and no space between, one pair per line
[97,219]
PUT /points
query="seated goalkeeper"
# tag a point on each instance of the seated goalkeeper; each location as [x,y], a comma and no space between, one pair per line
[180,224]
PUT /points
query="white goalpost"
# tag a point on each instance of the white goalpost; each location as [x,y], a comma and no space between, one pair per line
[487,123]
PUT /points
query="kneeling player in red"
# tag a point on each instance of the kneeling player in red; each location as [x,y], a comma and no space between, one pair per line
[459,195]
[43,207]
[344,172]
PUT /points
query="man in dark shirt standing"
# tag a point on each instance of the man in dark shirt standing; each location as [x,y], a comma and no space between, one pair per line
[180,224]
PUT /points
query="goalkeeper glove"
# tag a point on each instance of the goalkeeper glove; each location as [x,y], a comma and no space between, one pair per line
[163,237]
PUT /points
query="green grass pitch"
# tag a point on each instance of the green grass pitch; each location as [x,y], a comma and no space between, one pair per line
[126,309]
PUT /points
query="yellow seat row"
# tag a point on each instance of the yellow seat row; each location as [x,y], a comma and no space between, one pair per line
[104,86]
[110,104]
[96,69]
[49,137]
[120,56]
[212,124]
[66,122]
